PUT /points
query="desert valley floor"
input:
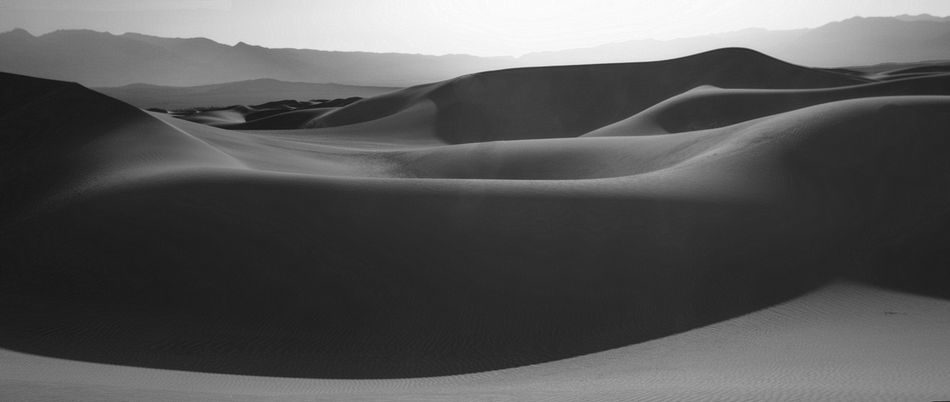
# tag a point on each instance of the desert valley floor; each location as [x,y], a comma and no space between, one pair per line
[721,226]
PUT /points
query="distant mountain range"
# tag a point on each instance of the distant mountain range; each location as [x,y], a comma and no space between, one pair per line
[103,59]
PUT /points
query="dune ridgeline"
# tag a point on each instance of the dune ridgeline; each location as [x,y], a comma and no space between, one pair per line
[494,220]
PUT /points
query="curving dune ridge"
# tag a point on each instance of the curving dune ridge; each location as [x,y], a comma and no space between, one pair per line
[496,220]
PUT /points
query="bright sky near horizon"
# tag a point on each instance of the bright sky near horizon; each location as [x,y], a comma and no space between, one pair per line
[480,27]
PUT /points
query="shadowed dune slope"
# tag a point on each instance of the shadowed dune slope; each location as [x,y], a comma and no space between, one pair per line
[462,226]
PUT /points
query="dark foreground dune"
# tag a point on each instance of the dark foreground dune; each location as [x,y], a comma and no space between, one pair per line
[646,213]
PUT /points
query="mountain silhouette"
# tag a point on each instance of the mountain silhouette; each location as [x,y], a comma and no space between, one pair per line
[104,59]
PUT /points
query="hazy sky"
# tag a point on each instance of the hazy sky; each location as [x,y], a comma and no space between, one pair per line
[481,27]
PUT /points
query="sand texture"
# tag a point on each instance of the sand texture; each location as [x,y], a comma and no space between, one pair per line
[722,226]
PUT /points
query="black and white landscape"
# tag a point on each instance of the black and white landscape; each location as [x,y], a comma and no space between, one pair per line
[102,59]
[754,215]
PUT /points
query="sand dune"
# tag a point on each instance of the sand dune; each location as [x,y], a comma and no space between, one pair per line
[813,348]
[233,93]
[710,107]
[568,101]
[277,115]
[496,220]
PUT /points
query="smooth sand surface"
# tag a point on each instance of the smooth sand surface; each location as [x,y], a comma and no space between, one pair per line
[500,221]
[842,342]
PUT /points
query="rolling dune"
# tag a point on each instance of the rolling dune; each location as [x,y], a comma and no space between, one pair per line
[713,203]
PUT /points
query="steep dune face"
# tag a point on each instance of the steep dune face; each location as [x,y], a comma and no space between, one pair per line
[374,247]
[60,138]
